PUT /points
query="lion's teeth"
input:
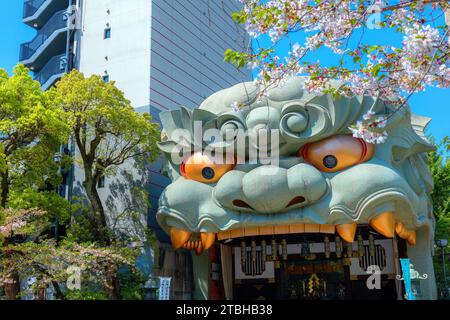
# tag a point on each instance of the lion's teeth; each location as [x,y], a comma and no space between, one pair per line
[207,239]
[347,231]
[199,248]
[408,235]
[179,237]
[182,239]
[411,237]
[399,228]
[384,224]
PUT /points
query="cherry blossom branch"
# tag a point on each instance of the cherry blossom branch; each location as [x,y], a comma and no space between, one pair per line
[408,4]
[391,73]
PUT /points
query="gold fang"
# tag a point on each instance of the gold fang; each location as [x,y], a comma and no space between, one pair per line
[207,239]
[412,238]
[408,235]
[179,237]
[198,248]
[384,224]
[347,231]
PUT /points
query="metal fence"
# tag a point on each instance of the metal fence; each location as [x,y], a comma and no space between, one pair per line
[31,6]
[54,66]
[56,22]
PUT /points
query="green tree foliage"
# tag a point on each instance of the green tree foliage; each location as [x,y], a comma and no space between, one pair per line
[33,126]
[51,265]
[31,131]
[439,164]
[18,226]
[107,132]
[23,223]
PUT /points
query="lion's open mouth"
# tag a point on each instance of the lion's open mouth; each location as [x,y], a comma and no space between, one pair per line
[385,224]
[242,204]
[296,200]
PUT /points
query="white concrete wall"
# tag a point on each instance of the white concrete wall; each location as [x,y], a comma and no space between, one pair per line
[126,55]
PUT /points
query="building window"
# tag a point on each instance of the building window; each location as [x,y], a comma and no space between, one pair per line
[101,182]
[105,78]
[107,33]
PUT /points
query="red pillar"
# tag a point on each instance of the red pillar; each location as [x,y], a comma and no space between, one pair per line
[215,291]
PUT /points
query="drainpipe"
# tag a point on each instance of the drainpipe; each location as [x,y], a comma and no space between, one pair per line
[69,34]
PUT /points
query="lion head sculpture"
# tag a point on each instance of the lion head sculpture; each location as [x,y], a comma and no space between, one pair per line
[286,162]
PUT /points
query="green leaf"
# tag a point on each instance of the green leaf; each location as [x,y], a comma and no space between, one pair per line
[375,70]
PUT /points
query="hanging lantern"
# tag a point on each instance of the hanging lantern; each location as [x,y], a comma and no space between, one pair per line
[349,249]
[243,252]
[263,250]
[274,250]
[371,246]
[284,249]
[338,243]
[360,245]
[253,250]
[326,242]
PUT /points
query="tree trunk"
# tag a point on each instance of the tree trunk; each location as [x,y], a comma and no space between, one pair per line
[40,293]
[113,286]
[58,293]
[116,287]
[90,186]
[5,188]
[12,287]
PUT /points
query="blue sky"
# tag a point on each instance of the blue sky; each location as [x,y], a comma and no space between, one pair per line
[433,103]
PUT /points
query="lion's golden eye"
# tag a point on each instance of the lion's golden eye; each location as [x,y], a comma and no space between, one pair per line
[204,168]
[337,153]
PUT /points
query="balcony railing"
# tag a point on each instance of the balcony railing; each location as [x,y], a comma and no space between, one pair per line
[55,66]
[30,7]
[56,22]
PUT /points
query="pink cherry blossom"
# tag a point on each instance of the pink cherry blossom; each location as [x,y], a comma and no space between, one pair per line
[367,66]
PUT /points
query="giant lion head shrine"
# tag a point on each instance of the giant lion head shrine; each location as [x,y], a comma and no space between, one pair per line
[276,199]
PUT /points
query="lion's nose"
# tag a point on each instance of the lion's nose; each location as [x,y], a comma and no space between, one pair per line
[266,189]
[270,189]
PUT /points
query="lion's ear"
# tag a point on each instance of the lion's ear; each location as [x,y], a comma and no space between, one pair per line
[409,148]
[419,124]
[179,127]
[409,138]
[403,150]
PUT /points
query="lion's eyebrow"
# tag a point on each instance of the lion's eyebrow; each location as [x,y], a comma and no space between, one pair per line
[283,162]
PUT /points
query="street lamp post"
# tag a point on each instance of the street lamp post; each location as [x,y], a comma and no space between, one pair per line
[442,243]
[57,157]
[151,288]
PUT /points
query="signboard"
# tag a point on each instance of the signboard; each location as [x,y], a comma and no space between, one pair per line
[164,288]
[409,275]
[407,278]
